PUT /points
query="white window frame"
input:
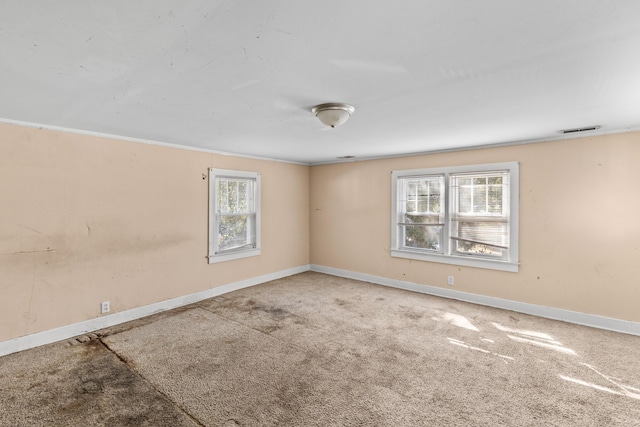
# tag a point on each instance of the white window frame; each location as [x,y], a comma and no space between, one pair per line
[216,255]
[446,254]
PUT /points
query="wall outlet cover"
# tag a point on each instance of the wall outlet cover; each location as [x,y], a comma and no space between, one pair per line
[105,307]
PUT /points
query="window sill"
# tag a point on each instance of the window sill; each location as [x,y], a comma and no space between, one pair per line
[457,260]
[233,255]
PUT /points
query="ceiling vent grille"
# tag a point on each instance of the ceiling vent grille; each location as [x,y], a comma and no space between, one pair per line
[576,130]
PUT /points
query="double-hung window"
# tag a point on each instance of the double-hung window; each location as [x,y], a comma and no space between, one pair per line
[234,214]
[465,215]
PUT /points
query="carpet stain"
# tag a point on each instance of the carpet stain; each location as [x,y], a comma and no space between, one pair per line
[251,305]
[340,302]
[406,352]
[84,383]
[271,328]
[410,313]
[275,311]
[291,395]
[268,318]
[99,380]
[237,303]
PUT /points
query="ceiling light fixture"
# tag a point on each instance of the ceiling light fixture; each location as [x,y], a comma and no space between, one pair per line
[333,114]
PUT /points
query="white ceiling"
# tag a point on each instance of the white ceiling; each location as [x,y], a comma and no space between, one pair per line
[241,76]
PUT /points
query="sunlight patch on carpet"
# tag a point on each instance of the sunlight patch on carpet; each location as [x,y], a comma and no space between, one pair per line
[482,350]
[459,321]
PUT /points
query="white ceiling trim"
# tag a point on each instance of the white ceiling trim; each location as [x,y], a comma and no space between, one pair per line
[141,141]
[560,137]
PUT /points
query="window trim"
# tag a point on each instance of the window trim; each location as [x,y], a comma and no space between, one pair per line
[229,255]
[447,256]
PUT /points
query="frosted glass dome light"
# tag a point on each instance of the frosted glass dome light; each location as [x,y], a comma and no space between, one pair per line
[333,114]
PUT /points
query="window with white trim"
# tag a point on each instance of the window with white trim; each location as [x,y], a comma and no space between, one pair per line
[234,214]
[466,215]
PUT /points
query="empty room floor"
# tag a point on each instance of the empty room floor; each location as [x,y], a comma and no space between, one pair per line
[318,350]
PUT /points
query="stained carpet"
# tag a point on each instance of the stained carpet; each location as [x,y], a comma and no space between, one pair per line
[318,350]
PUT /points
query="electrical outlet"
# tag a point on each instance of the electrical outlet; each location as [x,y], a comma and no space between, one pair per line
[105,307]
[450,280]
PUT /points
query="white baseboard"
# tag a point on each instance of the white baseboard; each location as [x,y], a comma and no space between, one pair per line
[70,331]
[75,329]
[595,321]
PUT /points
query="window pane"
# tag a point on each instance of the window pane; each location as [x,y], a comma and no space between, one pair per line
[490,232]
[495,199]
[242,202]
[435,186]
[480,181]
[234,195]
[412,189]
[436,205]
[422,195]
[422,237]
[479,198]
[482,238]
[422,219]
[233,232]
[479,195]
[480,225]
[223,194]
[465,199]
[472,248]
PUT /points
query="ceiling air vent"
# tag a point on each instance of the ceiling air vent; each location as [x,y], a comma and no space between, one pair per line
[587,129]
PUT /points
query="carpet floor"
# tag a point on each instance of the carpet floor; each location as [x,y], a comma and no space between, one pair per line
[318,350]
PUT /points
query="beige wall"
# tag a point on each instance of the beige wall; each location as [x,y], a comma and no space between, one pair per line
[85,219]
[579,227]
